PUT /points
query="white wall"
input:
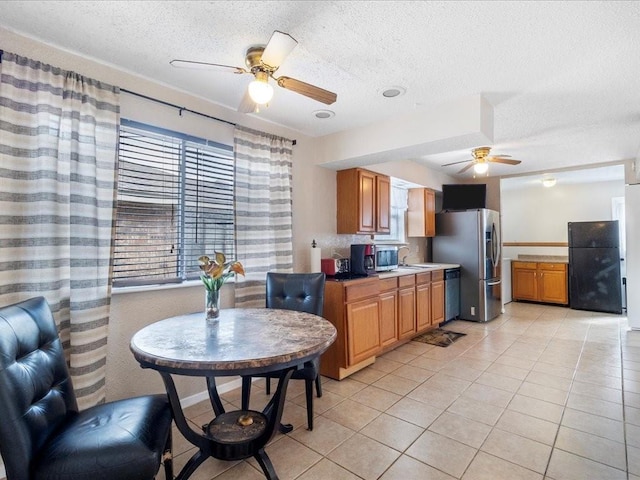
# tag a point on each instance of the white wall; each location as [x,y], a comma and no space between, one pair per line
[539,214]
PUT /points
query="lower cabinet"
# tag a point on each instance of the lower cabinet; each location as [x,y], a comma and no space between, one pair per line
[423,301]
[539,282]
[363,330]
[374,315]
[406,307]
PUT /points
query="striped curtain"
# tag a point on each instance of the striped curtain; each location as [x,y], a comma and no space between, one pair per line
[263,211]
[58,138]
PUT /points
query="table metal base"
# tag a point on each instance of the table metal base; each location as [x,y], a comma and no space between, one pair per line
[235,435]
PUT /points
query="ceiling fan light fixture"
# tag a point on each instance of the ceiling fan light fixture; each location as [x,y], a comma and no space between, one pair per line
[481,167]
[259,89]
[548,182]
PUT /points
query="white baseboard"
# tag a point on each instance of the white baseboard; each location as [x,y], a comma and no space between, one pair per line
[201,396]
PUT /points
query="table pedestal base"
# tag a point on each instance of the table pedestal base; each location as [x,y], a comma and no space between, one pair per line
[230,435]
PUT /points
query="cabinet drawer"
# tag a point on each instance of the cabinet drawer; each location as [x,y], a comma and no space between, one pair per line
[388,284]
[560,267]
[424,277]
[361,290]
[406,281]
[525,265]
[437,275]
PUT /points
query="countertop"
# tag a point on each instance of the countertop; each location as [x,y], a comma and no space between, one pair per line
[542,258]
[404,270]
[417,268]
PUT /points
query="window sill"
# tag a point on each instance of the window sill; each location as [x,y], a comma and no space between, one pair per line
[158,286]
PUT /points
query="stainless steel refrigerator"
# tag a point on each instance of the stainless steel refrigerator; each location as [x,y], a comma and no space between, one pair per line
[594,266]
[471,238]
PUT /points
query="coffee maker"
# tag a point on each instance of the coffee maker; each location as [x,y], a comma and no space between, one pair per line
[363,257]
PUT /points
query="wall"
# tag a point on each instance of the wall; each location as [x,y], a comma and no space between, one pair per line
[538,214]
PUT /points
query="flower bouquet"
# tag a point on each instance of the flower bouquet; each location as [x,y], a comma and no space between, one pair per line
[215,272]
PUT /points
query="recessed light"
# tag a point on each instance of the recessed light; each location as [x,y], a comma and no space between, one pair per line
[392,92]
[322,114]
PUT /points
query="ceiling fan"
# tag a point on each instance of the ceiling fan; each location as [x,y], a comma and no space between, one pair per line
[262,61]
[481,159]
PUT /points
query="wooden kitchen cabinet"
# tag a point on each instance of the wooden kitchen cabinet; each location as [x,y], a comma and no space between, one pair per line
[406,307]
[363,330]
[374,315]
[539,282]
[421,214]
[423,301]
[553,283]
[437,298]
[363,202]
[388,312]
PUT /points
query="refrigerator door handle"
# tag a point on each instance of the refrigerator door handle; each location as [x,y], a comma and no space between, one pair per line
[491,284]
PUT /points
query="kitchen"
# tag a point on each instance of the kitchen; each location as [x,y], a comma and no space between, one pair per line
[522,237]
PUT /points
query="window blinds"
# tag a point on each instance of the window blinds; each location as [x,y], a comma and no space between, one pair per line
[174,203]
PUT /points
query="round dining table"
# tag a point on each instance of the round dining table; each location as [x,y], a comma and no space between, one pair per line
[244,342]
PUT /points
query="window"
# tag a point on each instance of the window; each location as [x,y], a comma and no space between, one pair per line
[174,204]
[397,231]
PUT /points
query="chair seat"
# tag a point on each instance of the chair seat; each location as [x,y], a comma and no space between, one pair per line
[121,440]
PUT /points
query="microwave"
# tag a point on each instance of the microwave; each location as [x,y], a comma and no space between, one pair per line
[386,258]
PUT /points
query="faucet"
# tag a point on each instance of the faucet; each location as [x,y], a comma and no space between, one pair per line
[403,262]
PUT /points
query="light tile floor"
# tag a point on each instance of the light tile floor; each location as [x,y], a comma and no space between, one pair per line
[541,392]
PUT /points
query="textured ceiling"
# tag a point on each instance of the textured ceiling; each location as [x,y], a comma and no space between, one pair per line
[563,77]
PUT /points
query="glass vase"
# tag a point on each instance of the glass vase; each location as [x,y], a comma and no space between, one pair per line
[212,305]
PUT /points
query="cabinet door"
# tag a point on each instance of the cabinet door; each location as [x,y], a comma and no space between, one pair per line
[553,286]
[383,211]
[437,302]
[406,312]
[388,318]
[363,330]
[524,284]
[430,212]
[423,306]
[368,201]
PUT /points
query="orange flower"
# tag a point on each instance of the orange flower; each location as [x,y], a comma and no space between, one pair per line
[218,270]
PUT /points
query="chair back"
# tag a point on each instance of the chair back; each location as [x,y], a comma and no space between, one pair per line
[36,393]
[303,292]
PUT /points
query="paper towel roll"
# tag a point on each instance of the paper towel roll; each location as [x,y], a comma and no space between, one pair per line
[315,255]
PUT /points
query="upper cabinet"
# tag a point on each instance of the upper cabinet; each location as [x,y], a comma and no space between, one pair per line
[421,215]
[364,202]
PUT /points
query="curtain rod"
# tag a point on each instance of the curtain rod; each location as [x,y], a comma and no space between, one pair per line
[181,109]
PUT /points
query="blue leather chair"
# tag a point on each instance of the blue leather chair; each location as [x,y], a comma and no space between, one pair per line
[303,292]
[43,436]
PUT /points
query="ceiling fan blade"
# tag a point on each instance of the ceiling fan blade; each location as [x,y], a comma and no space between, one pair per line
[308,90]
[247,105]
[466,168]
[205,66]
[456,163]
[280,45]
[504,160]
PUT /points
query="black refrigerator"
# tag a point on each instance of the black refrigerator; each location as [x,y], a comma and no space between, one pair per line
[594,267]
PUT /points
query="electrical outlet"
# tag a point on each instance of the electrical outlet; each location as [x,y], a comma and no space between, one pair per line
[473,310]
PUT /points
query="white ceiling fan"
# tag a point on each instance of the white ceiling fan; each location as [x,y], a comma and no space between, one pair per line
[481,159]
[262,61]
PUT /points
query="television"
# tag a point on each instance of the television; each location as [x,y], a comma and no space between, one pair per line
[468,196]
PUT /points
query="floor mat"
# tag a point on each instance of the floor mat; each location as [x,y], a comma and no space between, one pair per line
[439,337]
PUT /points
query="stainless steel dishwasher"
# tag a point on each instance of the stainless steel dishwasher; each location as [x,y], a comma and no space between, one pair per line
[451,293]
